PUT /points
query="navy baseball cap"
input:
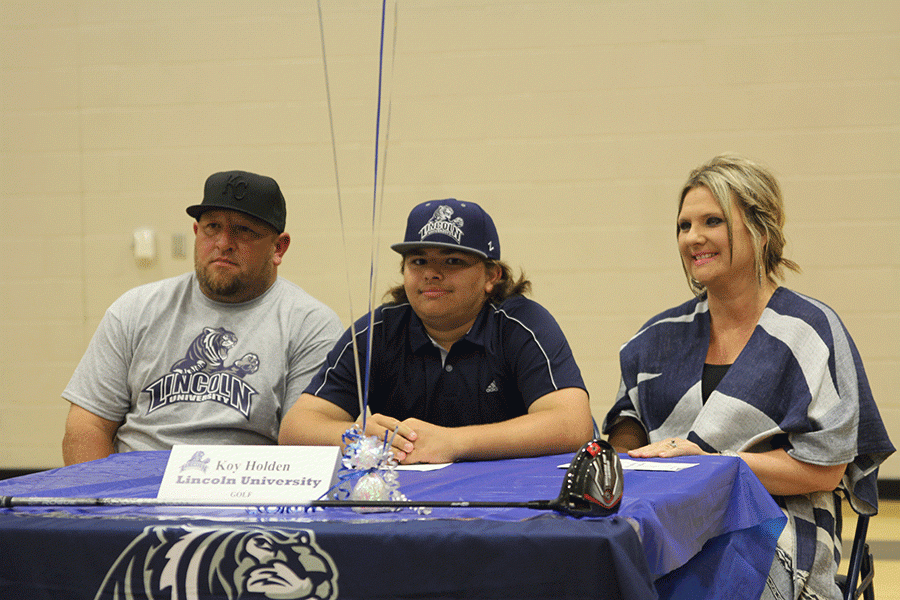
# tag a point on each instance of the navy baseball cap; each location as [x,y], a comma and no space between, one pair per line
[255,195]
[452,224]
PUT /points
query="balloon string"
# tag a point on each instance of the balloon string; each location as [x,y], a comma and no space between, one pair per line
[387,130]
[337,182]
[377,245]
[375,204]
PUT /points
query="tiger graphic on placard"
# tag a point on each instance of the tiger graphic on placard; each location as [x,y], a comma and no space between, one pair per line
[188,563]
[208,352]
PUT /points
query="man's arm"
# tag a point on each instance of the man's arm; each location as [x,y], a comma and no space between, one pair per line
[314,421]
[312,338]
[556,423]
[87,436]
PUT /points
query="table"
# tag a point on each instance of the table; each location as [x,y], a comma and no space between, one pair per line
[708,531]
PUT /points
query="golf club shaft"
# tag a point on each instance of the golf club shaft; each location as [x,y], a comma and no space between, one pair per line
[23,501]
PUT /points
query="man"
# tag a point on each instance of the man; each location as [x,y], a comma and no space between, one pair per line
[463,366]
[216,356]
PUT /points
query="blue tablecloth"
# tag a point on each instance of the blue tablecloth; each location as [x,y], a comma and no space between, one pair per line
[708,531]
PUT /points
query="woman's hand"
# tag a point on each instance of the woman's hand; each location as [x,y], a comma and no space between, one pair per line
[667,448]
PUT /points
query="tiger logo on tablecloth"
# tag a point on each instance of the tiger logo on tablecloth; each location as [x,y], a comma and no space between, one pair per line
[189,563]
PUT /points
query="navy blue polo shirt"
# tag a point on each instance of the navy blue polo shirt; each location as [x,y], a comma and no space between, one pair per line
[514,354]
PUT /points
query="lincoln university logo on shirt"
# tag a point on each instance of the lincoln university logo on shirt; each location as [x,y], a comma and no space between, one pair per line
[202,375]
[440,222]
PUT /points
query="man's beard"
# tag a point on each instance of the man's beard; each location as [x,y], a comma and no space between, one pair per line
[217,284]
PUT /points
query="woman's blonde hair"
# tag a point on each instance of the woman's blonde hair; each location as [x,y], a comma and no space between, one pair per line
[756,192]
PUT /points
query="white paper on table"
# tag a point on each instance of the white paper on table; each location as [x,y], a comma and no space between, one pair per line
[648,465]
[654,465]
[422,467]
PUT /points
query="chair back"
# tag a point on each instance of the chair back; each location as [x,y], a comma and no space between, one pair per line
[861,570]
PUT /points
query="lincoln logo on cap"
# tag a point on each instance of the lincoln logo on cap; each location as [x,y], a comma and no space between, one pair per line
[440,223]
[238,186]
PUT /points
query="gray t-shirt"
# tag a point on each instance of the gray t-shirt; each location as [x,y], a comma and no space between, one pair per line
[178,368]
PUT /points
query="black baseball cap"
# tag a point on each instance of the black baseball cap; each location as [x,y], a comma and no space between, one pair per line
[255,195]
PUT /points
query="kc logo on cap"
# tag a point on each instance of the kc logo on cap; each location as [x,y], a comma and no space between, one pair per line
[237,185]
[249,193]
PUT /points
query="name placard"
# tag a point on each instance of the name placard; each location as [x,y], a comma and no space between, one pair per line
[251,475]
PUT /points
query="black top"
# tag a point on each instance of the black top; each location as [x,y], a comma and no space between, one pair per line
[712,375]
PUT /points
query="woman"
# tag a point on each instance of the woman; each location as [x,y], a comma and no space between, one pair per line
[752,369]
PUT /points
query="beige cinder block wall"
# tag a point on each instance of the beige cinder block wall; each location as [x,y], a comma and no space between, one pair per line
[573,122]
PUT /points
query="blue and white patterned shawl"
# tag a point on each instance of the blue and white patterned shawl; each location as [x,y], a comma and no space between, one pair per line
[799,384]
